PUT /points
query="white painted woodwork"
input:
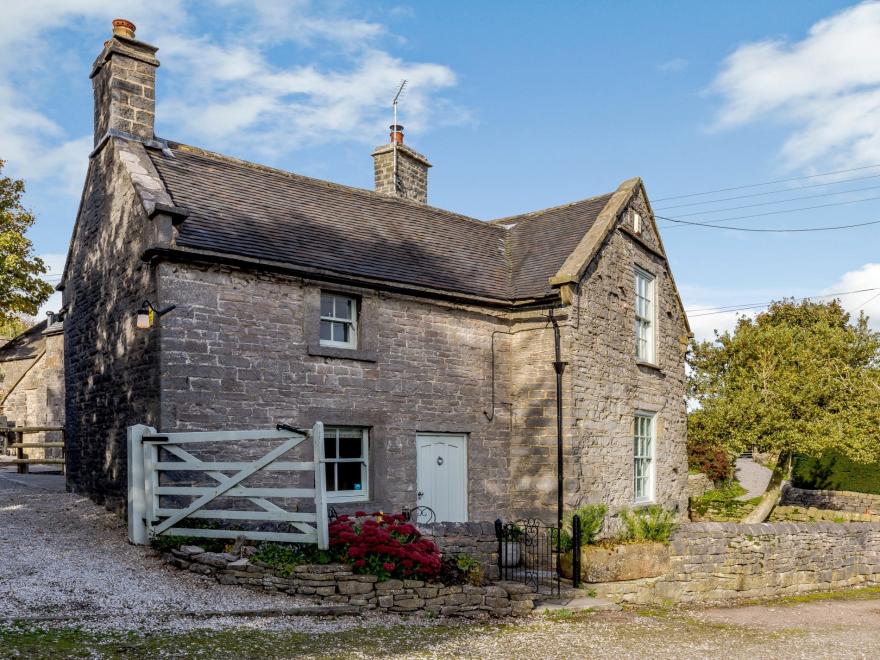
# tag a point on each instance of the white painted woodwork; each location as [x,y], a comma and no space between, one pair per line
[148,519]
[442,475]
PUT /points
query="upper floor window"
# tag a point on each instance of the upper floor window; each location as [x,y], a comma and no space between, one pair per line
[347,463]
[338,320]
[643,457]
[645,303]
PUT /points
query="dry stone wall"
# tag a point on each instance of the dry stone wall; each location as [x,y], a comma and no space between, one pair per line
[728,561]
[476,540]
[335,584]
[838,500]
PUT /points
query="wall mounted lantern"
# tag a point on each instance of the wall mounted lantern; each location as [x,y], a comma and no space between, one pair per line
[147,314]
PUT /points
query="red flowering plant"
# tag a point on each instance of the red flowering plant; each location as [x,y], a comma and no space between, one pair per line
[384,545]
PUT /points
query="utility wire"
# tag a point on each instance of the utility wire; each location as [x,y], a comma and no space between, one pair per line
[773,231]
[783,201]
[770,192]
[737,308]
[767,183]
[862,306]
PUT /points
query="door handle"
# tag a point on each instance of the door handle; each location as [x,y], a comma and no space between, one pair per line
[420,495]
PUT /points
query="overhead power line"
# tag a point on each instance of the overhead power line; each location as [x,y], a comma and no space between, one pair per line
[705,311]
[783,201]
[862,306]
[772,231]
[768,183]
[771,192]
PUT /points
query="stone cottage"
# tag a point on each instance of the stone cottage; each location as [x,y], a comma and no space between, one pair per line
[32,383]
[422,338]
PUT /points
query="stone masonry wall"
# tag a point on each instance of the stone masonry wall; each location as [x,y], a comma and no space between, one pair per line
[472,539]
[607,386]
[236,353]
[838,500]
[335,584]
[728,561]
[37,399]
[110,367]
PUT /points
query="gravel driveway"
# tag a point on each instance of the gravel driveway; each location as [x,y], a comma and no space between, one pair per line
[61,555]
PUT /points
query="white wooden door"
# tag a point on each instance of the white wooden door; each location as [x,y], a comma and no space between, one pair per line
[442,475]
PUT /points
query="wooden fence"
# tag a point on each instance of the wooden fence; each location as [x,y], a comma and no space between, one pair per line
[14,439]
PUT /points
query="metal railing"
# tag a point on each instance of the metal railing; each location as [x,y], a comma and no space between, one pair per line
[528,552]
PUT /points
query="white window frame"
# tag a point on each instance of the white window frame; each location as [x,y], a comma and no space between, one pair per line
[644,435]
[331,434]
[352,322]
[645,324]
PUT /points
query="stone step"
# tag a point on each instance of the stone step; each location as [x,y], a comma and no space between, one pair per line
[578,604]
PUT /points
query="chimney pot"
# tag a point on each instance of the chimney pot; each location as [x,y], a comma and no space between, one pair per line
[396,133]
[123,28]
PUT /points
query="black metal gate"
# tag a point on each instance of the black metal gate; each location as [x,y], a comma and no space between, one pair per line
[528,552]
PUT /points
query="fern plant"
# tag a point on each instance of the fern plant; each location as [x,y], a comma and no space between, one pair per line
[652,523]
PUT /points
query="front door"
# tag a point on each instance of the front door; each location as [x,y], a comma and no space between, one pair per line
[442,475]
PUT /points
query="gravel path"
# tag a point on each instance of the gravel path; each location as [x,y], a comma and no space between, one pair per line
[62,555]
[753,476]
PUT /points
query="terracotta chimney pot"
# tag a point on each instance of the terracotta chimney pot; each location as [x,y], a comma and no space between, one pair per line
[123,28]
[396,133]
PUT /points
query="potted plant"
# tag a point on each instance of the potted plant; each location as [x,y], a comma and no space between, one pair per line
[511,546]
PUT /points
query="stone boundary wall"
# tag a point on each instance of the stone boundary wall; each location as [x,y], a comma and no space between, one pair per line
[335,584]
[838,500]
[712,562]
[474,539]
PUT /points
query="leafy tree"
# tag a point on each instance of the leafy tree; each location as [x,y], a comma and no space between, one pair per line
[798,379]
[21,289]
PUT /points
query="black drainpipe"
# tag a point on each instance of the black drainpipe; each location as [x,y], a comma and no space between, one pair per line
[559,367]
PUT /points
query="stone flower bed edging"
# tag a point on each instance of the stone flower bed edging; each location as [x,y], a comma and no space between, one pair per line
[336,584]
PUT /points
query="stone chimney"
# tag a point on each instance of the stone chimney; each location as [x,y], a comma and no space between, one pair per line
[124,82]
[399,170]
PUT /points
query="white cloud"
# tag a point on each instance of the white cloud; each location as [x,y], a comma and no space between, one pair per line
[224,89]
[864,277]
[827,85]
[703,302]
[674,65]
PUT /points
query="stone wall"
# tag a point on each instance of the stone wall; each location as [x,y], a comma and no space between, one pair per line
[606,386]
[335,584]
[474,539]
[838,500]
[727,561]
[110,367]
[32,390]
[698,484]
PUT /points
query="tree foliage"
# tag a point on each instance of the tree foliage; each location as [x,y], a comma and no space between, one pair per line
[798,379]
[21,289]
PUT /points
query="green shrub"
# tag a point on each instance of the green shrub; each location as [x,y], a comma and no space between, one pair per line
[652,523]
[592,517]
[835,472]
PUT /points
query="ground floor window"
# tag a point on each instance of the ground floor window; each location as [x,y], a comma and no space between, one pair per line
[346,462]
[643,457]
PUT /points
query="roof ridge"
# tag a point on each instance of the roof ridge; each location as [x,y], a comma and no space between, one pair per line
[531,214]
[329,184]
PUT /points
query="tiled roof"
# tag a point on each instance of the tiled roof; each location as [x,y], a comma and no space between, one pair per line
[25,346]
[248,210]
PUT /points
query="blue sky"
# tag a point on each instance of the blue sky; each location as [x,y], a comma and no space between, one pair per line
[518,105]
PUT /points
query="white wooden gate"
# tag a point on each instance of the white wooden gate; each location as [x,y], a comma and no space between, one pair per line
[148,518]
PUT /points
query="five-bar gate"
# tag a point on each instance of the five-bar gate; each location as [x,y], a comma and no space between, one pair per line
[160,502]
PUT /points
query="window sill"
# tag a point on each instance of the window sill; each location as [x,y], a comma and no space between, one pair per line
[344,499]
[344,353]
[649,365]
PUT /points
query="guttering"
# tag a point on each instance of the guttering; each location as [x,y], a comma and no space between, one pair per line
[192,255]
